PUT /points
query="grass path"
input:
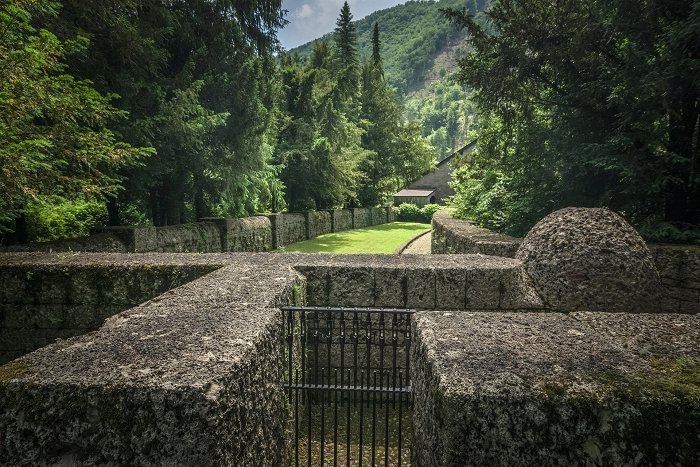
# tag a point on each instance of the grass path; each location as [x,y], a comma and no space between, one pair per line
[380,239]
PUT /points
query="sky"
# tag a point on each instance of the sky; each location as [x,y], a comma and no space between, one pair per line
[310,19]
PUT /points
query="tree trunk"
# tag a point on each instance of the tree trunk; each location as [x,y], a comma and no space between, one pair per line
[21,230]
[113,211]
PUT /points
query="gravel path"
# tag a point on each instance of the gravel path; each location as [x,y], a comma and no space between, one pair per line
[420,246]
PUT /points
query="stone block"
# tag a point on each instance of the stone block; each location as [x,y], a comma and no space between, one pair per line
[420,288]
[390,287]
[450,289]
[483,289]
[350,286]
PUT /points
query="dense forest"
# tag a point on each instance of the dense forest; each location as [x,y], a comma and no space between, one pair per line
[592,103]
[134,111]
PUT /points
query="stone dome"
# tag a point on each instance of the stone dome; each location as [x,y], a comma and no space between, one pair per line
[590,259]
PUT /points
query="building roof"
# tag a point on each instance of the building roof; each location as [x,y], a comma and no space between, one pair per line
[414,193]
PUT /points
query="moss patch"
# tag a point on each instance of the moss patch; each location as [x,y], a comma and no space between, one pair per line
[14,370]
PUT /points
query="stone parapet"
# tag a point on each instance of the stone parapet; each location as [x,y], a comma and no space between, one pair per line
[555,389]
[456,236]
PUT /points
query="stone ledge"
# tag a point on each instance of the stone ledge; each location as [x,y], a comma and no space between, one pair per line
[544,388]
[456,236]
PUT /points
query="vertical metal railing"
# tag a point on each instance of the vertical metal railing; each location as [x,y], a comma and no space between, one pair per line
[348,385]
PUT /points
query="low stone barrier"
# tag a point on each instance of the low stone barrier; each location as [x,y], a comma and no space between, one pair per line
[342,219]
[191,377]
[579,387]
[40,303]
[319,223]
[379,216]
[555,389]
[361,217]
[679,269]
[288,228]
[678,265]
[202,237]
[454,236]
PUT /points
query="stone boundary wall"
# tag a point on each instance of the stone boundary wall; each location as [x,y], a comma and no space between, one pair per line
[678,265]
[456,236]
[215,235]
[567,388]
[41,304]
[361,217]
[191,377]
[679,268]
[581,388]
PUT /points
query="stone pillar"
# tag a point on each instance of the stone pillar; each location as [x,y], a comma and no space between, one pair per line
[136,238]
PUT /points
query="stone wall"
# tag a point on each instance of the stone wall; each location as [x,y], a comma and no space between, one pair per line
[202,237]
[41,304]
[249,234]
[460,282]
[555,389]
[678,265]
[361,217]
[679,268]
[454,236]
[342,220]
[319,223]
[288,228]
[190,378]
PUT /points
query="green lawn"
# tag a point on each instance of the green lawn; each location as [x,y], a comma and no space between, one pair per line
[385,238]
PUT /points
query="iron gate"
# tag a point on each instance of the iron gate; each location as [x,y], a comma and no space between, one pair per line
[348,384]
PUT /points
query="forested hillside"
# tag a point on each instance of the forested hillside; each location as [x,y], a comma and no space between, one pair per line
[592,103]
[135,111]
[420,51]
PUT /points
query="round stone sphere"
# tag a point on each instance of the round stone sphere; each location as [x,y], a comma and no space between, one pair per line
[590,259]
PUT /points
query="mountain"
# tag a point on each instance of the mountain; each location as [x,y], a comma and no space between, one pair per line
[413,35]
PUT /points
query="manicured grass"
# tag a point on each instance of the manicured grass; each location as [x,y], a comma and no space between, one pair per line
[385,238]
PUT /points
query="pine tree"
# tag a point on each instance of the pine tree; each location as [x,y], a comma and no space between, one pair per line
[376,46]
[347,61]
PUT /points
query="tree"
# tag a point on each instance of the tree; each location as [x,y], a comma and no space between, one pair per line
[54,128]
[592,106]
[347,61]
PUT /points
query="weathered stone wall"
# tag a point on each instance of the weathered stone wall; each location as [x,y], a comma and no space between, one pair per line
[679,269]
[678,265]
[190,378]
[555,389]
[459,282]
[342,220]
[379,216]
[41,304]
[249,234]
[288,228]
[454,236]
[361,217]
[202,237]
[319,223]
[100,242]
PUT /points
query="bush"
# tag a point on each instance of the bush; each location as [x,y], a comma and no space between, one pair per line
[56,218]
[408,212]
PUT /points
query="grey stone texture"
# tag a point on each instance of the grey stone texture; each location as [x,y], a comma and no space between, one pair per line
[288,228]
[679,269]
[379,216]
[453,236]
[202,237]
[319,223]
[342,219]
[591,259]
[39,304]
[188,378]
[460,282]
[361,217]
[99,242]
[522,389]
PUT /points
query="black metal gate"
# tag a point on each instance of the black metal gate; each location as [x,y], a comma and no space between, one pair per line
[349,385]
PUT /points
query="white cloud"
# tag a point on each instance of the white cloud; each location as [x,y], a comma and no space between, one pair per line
[303,11]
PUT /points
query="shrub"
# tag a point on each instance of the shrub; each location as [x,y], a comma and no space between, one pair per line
[56,218]
[408,212]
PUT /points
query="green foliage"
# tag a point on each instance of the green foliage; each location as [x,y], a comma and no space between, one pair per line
[413,33]
[54,135]
[341,144]
[408,212]
[583,104]
[56,218]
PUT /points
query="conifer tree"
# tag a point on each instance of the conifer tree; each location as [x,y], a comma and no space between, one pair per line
[346,57]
